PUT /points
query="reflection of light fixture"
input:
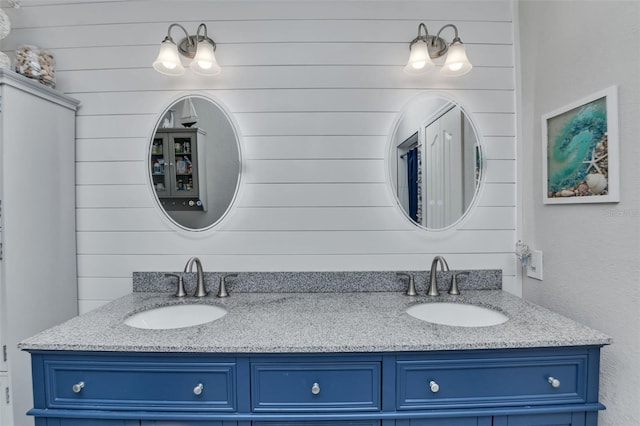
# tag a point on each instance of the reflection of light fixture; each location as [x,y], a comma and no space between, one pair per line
[198,47]
[189,116]
[426,47]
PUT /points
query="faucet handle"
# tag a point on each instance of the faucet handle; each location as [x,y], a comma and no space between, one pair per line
[180,290]
[411,290]
[453,290]
[222,289]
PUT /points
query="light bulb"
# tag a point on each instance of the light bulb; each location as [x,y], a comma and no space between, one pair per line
[419,59]
[168,60]
[457,63]
[205,60]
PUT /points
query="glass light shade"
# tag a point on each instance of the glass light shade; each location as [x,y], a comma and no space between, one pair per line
[457,63]
[205,60]
[419,59]
[168,60]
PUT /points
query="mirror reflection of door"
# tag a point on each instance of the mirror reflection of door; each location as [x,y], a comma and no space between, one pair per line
[443,140]
[438,168]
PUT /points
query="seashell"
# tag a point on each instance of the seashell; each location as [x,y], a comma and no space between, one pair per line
[597,183]
[565,193]
[582,189]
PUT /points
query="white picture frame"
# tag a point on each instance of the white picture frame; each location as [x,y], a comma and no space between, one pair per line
[580,157]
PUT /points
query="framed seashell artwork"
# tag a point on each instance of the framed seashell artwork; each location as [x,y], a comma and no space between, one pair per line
[580,159]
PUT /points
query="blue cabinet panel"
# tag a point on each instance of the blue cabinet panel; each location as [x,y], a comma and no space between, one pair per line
[85,422]
[321,423]
[555,419]
[449,421]
[436,382]
[133,385]
[184,423]
[316,386]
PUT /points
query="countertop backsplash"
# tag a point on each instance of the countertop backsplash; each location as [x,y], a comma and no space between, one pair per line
[318,282]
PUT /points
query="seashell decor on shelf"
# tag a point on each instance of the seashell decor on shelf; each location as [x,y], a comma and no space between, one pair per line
[36,63]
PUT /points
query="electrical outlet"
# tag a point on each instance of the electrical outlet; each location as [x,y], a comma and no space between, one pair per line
[534,268]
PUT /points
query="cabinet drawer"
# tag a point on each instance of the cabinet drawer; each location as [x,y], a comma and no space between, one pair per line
[198,386]
[490,382]
[320,423]
[311,387]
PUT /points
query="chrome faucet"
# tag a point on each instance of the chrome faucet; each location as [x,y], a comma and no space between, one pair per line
[200,290]
[433,285]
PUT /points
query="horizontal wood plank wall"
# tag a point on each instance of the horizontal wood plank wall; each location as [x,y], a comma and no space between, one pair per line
[314,88]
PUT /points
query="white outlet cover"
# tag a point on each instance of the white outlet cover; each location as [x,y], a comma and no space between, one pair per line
[534,268]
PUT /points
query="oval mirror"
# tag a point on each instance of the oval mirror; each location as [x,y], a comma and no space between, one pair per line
[194,162]
[435,161]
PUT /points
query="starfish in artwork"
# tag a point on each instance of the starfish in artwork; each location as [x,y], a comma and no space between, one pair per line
[594,161]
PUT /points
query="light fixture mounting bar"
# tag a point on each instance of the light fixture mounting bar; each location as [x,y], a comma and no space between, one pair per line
[436,45]
[189,44]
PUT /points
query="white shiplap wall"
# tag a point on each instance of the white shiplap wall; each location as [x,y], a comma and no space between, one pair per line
[314,88]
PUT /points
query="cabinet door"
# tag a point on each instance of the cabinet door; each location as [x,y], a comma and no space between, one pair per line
[320,423]
[559,419]
[85,422]
[185,423]
[160,164]
[5,407]
[449,421]
[184,180]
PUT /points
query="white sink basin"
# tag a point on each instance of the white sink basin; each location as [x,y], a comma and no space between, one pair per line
[457,314]
[175,316]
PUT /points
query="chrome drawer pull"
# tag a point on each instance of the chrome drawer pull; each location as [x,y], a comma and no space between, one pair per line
[434,386]
[555,383]
[198,389]
[77,387]
[315,389]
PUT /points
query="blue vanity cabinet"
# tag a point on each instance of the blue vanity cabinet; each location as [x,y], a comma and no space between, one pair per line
[507,387]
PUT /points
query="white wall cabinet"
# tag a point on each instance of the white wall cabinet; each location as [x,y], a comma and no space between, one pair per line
[38,280]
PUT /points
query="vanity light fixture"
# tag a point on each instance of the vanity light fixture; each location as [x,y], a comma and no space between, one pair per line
[425,48]
[199,48]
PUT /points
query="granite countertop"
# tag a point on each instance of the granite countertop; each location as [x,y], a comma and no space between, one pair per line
[315,322]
